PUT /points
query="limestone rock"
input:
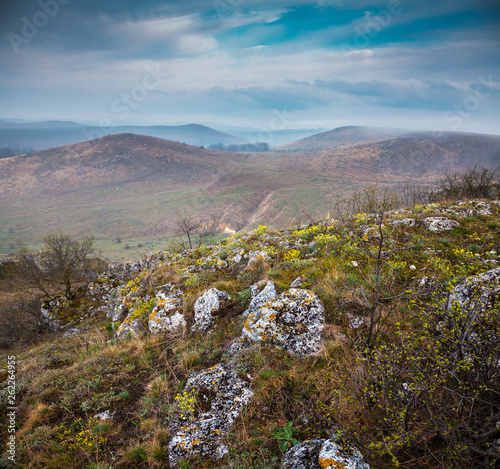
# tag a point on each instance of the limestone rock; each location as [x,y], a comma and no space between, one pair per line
[405,222]
[211,402]
[267,294]
[478,292]
[440,224]
[50,319]
[132,324]
[254,256]
[207,304]
[335,453]
[296,283]
[303,456]
[75,331]
[293,321]
[332,453]
[167,315]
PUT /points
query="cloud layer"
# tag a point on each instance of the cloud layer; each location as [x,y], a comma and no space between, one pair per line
[413,63]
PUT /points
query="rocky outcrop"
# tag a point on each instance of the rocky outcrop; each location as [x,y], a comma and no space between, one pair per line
[293,321]
[333,453]
[440,224]
[167,315]
[206,305]
[212,400]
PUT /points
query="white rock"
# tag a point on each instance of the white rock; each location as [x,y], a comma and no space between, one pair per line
[267,294]
[293,321]
[440,224]
[333,453]
[296,283]
[167,315]
[254,256]
[222,396]
[206,305]
[404,221]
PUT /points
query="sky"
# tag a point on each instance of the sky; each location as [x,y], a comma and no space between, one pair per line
[296,64]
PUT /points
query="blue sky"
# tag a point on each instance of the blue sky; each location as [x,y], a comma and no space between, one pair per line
[417,64]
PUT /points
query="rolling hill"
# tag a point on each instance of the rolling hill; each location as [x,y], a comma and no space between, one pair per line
[342,136]
[50,134]
[126,190]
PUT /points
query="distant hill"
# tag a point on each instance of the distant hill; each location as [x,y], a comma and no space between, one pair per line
[50,134]
[127,189]
[342,136]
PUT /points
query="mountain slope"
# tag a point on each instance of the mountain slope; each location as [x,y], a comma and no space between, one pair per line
[128,189]
[342,136]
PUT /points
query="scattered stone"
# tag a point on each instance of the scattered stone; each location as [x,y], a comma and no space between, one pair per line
[75,331]
[440,224]
[206,305]
[267,294]
[405,222]
[355,321]
[296,283]
[293,322]
[106,415]
[201,428]
[477,292]
[333,453]
[336,453]
[49,317]
[254,256]
[303,456]
[132,325]
[167,315]
[236,256]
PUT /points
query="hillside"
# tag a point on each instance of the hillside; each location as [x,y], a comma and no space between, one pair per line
[126,190]
[49,134]
[276,350]
[342,136]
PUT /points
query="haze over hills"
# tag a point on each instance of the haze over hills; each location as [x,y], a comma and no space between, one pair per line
[127,188]
[341,136]
[50,134]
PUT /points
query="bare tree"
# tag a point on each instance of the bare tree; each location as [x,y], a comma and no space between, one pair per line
[192,232]
[20,319]
[60,266]
[475,183]
[364,215]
